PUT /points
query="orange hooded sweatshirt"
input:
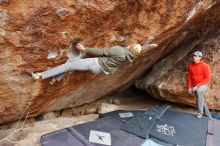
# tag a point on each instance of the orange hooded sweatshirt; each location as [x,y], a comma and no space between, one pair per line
[198,74]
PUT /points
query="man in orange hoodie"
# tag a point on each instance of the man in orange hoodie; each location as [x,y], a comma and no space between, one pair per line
[198,79]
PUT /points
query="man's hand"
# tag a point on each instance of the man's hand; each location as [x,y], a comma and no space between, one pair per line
[80,47]
[195,88]
[153,45]
[190,91]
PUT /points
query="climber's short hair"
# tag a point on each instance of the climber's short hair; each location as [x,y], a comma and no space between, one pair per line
[135,49]
[75,41]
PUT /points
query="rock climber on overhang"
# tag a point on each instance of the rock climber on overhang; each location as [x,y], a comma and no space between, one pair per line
[105,60]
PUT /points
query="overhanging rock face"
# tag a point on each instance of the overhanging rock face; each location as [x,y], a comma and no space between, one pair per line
[29,30]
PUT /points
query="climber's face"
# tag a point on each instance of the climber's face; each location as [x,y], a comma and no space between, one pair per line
[196,58]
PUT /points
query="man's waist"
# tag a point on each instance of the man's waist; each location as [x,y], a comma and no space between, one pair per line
[101,66]
[199,82]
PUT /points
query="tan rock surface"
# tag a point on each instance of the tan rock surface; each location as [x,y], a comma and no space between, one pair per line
[30,29]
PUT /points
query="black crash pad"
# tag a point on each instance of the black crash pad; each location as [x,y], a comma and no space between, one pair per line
[82,133]
[181,128]
[140,125]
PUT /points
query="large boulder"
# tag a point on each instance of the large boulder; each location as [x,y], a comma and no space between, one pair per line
[168,78]
[29,30]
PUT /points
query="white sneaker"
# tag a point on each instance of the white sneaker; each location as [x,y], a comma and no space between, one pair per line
[35,76]
[199,115]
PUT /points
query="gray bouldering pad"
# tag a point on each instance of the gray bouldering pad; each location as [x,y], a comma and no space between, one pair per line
[140,125]
[181,128]
[213,136]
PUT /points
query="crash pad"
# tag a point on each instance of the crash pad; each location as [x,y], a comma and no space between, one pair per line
[181,128]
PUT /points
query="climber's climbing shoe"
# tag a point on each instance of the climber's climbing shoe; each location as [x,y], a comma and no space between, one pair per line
[34,75]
